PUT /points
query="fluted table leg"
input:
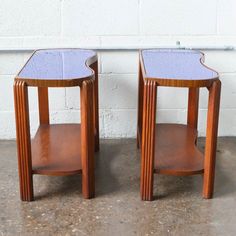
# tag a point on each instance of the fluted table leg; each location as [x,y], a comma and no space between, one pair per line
[23,140]
[148,140]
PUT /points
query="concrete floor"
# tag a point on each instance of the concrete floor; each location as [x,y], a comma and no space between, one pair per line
[59,208]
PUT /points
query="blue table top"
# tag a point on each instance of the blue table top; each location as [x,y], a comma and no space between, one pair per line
[49,64]
[176,64]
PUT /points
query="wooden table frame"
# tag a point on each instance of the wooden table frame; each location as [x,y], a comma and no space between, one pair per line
[89,129]
[146,132]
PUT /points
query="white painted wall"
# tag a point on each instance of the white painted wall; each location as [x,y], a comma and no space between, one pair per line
[108,23]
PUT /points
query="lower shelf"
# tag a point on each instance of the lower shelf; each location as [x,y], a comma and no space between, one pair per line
[176,152]
[56,150]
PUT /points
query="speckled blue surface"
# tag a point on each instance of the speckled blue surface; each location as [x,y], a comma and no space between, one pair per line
[175,64]
[58,64]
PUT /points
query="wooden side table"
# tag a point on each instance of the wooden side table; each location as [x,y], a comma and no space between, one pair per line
[171,148]
[57,149]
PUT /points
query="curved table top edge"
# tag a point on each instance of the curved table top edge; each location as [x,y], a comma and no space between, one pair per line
[70,82]
[173,82]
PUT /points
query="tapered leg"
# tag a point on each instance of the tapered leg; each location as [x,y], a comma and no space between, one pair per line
[94,66]
[140,107]
[43,105]
[23,141]
[148,140]
[211,139]
[193,101]
[87,139]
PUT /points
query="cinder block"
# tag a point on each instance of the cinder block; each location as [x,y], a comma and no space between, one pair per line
[10,63]
[57,99]
[6,94]
[80,41]
[152,41]
[33,99]
[178,17]
[102,17]
[205,40]
[227,122]
[119,123]
[125,41]
[203,98]
[119,62]
[221,61]
[66,116]
[172,98]
[38,42]
[30,18]
[72,116]
[171,116]
[7,127]
[10,42]
[8,130]
[226,17]
[118,91]
[76,23]
[228,93]
[73,98]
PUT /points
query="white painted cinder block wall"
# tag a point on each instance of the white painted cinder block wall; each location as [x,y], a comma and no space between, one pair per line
[112,23]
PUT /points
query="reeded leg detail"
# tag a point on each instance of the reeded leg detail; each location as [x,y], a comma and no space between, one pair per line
[87,138]
[211,139]
[140,107]
[148,140]
[23,141]
[94,66]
